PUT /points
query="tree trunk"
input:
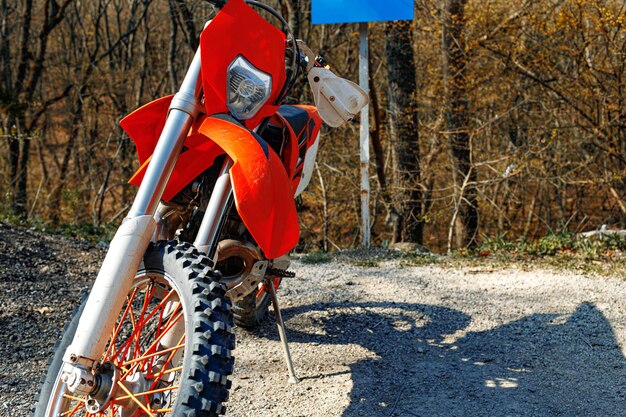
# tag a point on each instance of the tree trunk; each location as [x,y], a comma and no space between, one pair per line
[57,191]
[171,68]
[17,143]
[20,200]
[294,16]
[406,212]
[292,10]
[30,67]
[457,121]
[377,144]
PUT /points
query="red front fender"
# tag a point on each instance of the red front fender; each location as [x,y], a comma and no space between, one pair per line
[263,192]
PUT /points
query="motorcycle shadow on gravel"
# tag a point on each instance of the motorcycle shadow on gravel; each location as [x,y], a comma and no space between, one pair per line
[426,364]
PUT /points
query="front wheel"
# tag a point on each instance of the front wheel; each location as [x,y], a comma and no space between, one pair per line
[170,351]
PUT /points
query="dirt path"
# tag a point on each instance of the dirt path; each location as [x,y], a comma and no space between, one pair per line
[391,341]
[383,341]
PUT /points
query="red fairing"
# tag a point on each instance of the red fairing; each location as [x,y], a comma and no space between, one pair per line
[263,194]
[239,30]
[144,127]
[145,124]
[263,191]
[303,124]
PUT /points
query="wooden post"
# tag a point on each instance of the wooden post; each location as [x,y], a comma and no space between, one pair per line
[365,135]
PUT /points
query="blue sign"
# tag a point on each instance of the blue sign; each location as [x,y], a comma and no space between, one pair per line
[354,11]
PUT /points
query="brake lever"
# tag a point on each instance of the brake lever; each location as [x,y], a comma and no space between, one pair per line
[322,62]
[310,58]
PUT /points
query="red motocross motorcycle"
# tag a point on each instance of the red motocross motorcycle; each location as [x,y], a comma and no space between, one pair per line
[204,244]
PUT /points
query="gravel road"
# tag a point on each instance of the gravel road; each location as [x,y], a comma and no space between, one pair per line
[389,340]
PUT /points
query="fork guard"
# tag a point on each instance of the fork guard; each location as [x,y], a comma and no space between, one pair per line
[262,190]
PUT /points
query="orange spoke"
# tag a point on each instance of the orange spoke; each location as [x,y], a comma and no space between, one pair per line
[157,333]
[136,332]
[170,324]
[69,397]
[148,322]
[132,397]
[119,326]
[152,347]
[146,300]
[154,391]
[161,311]
[128,342]
[152,355]
[141,320]
[78,406]
[167,323]
[160,331]
[169,371]
[159,307]
[129,371]
[167,363]
[123,350]
[132,318]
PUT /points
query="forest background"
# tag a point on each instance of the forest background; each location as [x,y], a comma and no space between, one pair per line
[491,119]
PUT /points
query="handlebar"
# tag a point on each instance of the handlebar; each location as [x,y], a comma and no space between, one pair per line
[217,3]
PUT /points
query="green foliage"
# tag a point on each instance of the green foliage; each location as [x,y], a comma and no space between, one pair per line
[8,217]
[552,245]
[316,258]
[365,263]
[419,259]
[85,231]
[72,199]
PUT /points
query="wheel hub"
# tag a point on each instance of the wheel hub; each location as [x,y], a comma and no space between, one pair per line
[108,388]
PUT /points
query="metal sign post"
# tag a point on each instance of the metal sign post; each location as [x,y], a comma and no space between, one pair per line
[364,136]
[359,11]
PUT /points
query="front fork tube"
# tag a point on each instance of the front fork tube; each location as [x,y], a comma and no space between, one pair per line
[127,248]
[216,212]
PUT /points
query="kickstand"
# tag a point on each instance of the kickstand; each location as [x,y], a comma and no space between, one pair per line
[269,288]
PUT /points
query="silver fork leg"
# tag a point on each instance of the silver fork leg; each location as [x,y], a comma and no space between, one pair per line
[130,242]
[269,288]
[206,239]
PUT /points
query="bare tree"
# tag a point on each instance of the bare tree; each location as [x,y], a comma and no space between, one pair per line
[20,87]
[406,204]
[465,216]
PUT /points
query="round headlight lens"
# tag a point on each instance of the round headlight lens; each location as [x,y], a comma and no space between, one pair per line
[248,88]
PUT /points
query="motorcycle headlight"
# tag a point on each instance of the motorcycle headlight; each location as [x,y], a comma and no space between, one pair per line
[248,88]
